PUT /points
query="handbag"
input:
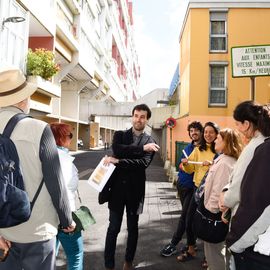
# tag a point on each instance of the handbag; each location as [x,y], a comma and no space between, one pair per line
[209,226]
[82,217]
[106,193]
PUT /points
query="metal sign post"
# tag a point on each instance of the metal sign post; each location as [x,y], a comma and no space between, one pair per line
[170,123]
[252,88]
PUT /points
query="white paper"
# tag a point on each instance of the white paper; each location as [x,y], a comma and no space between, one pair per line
[195,162]
[190,161]
[100,175]
[185,154]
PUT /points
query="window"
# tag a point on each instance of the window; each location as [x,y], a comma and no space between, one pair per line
[13,36]
[218,84]
[218,31]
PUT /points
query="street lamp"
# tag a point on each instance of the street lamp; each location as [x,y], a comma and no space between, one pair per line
[14,19]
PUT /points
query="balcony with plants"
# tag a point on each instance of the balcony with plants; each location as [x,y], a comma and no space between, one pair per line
[40,69]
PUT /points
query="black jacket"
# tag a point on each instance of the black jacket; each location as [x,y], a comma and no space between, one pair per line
[252,216]
[128,179]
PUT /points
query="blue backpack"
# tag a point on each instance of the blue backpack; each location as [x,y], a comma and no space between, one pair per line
[15,207]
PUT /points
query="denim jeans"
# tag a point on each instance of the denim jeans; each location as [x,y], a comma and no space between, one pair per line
[73,246]
[28,256]
[112,233]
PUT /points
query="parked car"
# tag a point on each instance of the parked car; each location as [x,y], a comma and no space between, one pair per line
[100,142]
[80,143]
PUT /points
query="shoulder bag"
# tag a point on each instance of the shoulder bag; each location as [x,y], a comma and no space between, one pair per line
[82,217]
[209,226]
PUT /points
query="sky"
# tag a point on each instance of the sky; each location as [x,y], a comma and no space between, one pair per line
[157,25]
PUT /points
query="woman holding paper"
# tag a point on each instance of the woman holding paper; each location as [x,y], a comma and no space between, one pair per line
[73,242]
[204,154]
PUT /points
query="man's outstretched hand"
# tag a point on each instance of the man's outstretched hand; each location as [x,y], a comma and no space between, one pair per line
[151,147]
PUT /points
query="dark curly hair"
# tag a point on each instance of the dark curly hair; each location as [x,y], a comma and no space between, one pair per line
[196,125]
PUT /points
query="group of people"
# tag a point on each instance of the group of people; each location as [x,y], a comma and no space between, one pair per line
[233,179]
[43,153]
[215,163]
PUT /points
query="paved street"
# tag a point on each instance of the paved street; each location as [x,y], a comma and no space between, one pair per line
[157,223]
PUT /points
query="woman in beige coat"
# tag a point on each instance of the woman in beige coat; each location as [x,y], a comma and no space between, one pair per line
[228,144]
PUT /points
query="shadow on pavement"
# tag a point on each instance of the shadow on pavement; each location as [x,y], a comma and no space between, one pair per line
[156,226]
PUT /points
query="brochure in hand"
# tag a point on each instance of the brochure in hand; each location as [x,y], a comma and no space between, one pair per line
[100,175]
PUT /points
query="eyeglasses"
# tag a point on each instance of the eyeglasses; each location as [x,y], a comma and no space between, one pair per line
[70,135]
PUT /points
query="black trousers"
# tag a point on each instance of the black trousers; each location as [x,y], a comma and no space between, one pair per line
[250,260]
[185,195]
[112,233]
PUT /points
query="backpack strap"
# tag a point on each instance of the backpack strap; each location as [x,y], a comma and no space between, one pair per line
[36,195]
[13,122]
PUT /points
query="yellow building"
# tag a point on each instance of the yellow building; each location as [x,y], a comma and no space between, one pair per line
[207,90]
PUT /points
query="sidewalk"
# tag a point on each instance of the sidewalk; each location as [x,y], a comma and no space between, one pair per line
[156,225]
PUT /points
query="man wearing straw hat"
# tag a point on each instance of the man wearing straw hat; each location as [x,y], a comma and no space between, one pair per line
[31,245]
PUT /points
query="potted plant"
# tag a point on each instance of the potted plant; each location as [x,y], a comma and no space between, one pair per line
[41,62]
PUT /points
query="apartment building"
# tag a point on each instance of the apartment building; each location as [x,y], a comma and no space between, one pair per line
[207,89]
[94,46]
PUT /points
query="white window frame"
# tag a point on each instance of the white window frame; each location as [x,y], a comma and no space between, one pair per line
[218,16]
[13,35]
[225,88]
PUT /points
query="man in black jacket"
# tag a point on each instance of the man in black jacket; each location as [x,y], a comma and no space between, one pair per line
[133,151]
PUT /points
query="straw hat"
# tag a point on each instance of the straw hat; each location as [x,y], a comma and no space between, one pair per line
[14,87]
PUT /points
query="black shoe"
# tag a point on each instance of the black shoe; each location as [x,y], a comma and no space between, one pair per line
[168,250]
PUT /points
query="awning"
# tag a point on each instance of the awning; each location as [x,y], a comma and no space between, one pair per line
[175,81]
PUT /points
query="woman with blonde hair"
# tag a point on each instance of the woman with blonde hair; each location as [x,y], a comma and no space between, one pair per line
[228,145]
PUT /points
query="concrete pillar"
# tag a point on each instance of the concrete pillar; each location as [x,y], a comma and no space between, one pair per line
[70,106]
[108,136]
[103,135]
[94,134]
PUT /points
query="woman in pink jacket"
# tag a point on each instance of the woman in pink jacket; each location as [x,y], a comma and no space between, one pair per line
[228,144]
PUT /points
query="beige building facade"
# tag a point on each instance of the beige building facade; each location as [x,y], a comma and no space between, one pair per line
[94,46]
